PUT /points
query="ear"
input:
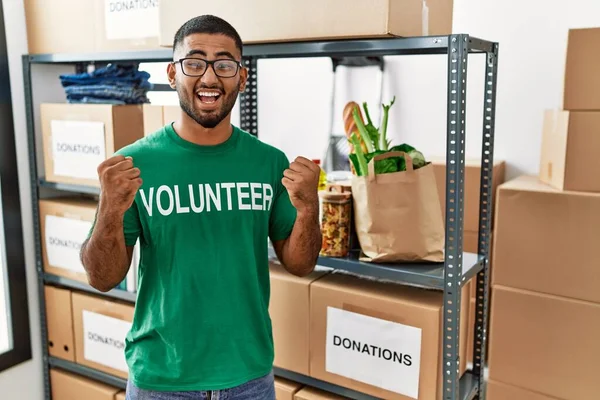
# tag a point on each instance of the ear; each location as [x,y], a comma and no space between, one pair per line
[243,78]
[171,72]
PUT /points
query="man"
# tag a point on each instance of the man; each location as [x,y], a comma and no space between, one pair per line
[203,197]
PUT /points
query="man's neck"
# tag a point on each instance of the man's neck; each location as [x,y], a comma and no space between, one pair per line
[191,131]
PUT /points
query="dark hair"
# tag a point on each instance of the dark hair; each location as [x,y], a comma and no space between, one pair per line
[207,24]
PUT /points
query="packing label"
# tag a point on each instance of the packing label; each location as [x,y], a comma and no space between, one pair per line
[63,238]
[131,19]
[377,352]
[104,340]
[78,148]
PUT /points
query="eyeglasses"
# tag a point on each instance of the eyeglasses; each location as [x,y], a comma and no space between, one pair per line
[224,68]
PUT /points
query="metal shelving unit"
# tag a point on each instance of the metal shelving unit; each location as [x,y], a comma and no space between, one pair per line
[449,276]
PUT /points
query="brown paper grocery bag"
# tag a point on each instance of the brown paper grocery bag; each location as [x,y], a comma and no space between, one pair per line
[398,215]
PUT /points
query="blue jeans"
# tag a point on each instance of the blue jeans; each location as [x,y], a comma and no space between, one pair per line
[257,389]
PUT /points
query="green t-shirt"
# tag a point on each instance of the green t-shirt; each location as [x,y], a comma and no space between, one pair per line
[203,216]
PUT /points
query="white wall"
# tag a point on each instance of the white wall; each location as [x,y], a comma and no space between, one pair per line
[294,95]
[23,381]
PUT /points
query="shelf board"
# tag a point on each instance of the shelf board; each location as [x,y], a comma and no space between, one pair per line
[67,187]
[312,48]
[468,383]
[91,373]
[427,274]
[73,284]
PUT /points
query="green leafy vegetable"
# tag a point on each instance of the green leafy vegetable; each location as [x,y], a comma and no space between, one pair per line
[386,110]
[364,134]
[358,157]
[373,132]
[418,159]
[376,142]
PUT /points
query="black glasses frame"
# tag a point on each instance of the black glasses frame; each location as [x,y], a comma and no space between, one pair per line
[209,64]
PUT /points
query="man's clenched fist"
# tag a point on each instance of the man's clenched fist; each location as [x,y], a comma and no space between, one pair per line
[301,180]
[119,182]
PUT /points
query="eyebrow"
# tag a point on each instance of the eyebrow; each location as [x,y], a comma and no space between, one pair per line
[203,53]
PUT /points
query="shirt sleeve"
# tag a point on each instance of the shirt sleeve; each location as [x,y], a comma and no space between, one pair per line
[283,214]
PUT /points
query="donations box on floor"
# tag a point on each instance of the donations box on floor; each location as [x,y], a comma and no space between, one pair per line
[78,137]
[379,338]
[100,330]
[65,224]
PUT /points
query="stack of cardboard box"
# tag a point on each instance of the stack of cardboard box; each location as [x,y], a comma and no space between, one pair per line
[545,316]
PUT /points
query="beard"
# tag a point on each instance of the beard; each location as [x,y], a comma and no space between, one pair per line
[207,119]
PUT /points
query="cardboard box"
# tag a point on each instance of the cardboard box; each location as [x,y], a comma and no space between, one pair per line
[286,389]
[65,224]
[472,189]
[289,310]
[546,240]
[470,245]
[582,81]
[544,343]
[471,331]
[170,114]
[500,391]
[59,320]
[100,330]
[310,393]
[570,147]
[153,118]
[101,25]
[120,396]
[396,330]
[68,386]
[78,137]
[273,21]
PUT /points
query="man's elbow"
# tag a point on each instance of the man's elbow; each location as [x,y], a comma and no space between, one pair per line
[301,269]
[102,285]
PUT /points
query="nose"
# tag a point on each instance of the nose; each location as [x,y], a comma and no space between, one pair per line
[209,77]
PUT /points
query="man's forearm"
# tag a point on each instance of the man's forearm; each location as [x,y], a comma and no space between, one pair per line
[105,256]
[300,251]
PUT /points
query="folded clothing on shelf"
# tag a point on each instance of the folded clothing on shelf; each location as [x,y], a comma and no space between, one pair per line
[113,84]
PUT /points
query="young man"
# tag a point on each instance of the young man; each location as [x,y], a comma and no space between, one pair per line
[203,197]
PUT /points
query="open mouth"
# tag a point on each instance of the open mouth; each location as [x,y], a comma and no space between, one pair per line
[207,97]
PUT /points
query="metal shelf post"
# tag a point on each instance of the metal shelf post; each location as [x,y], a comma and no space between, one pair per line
[455,159]
[29,114]
[485,217]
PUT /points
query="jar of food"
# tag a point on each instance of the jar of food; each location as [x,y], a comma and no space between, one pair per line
[336,216]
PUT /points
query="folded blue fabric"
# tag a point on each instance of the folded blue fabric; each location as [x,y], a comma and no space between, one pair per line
[115,83]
